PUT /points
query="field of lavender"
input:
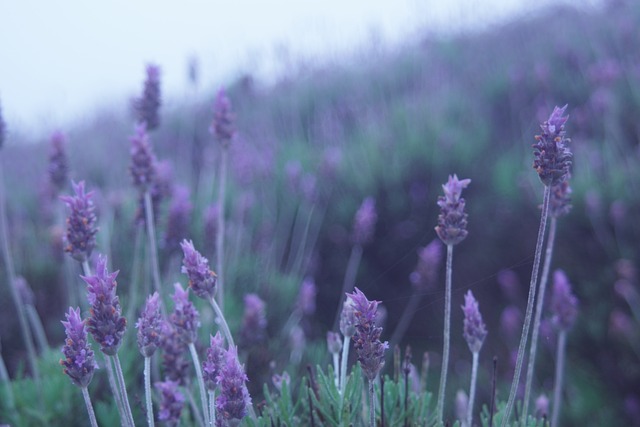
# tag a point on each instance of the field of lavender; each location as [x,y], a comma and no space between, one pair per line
[362,243]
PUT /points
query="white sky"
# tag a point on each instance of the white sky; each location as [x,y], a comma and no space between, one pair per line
[60,60]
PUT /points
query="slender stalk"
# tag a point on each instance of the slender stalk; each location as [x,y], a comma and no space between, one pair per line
[11,277]
[472,388]
[87,401]
[381,401]
[123,390]
[203,393]
[447,333]
[153,247]
[147,390]
[115,390]
[557,388]
[343,368]
[212,407]
[36,325]
[546,267]
[134,283]
[222,188]
[349,279]
[372,405]
[222,323]
[336,370]
[492,408]
[295,269]
[405,320]
[527,320]
[194,407]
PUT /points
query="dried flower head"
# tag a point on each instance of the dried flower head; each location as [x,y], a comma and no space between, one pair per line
[147,106]
[178,218]
[175,359]
[429,260]
[105,323]
[348,319]
[364,222]
[560,201]
[234,399]
[149,325]
[80,238]
[143,161]
[58,162]
[171,402]
[185,318]
[212,364]
[334,343]
[452,221]
[201,279]
[254,321]
[564,305]
[369,348]
[475,330]
[307,297]
[552,157]
[222,127]
[79,362]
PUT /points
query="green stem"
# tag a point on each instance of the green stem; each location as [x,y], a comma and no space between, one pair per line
[153,247]
[123,390]
[115,389]
[446,333]
[203,393]
[36,325]
[87,402]
[4,378]
[222,323]
[546,267]
[212,407]
[147,390]
[532,296]
[557,388]
[472,388]
[222,187]
[372,405]
[336,370]
[343,368]
[134,283]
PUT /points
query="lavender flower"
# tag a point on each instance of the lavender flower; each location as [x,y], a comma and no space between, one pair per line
[367,342]
[201,279]
[147,106]
[365,222]
[185,317]
[560,201]
[564,305]
[475,330]
[25,292]
[58,162]
[215,357]
[81,223]
[429,259]
[79,363]
[334,343]
[106,323]
[174,354]
[452,221]
[307,297]
[149,326]
[254,321]
[542,406]
[3,129]
[222,127]
[348,319]
[143,161]
[234,399]
[552,157]
[171,402]
[178,218]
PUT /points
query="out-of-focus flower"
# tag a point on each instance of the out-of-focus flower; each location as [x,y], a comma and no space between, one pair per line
[452,221]
[185,317]
[213,363]
[201,279]
[80,238]
[364,222]
[334,343]
[24,291]
[58,162]
[542,406]
[171,402]
[3,129]
[178,218]
[278,380]
[143,161]
[223,127]
[511,321]
[509,283]
[254,321]
[174,354]
[307,297]
[475,330]
[552,157]
[147,106]
[560,201]
[234,399]
[149,326]
[429,260]
[79,362]
[348,319]
[564,304]
[461,404]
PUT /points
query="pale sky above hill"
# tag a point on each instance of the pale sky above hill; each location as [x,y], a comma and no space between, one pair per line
[60,60]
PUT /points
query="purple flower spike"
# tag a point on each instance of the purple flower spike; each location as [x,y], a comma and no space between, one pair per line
[365,222]
[475,330]
[234,399]
[79,363]
[348,319]
[452,221]
[58,162]
[564,305]
[307,297]
[175,362]
[223,128]
[143,161]
[81,224]
[254,321]
[178,218]
[367,342]
[147,106]
[185,317]
[201,279]
[215,358]
[552,157]
[149,326]
[560,202]
[171,402]
[106,323]
[429,260]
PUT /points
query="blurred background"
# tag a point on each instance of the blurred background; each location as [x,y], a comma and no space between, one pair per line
[336,103]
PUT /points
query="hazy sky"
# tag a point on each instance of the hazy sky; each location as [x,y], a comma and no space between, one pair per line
[62,59]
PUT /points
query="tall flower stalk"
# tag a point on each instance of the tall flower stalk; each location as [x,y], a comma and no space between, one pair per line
[348,330]
[452,229]
[552,162]
[474,334]
[149,329]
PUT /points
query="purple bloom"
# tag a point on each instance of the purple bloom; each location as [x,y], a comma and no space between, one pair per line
[81,223]
[564,305]
[201,279]
[364,222]
[149,326]
[143,161]
[211,215]
[307,297]
[475,330]
[452,221]
[560,201]
[175,362]
[147,106]
[542,406]
[178,218]
[369,348]
[429,260]
[552,157]
[234,399]
[334,343]
[79,363]
[215,357]
[254,321]
[222,127]
[171,402]
[58,162]
[24,291]
[106,323]
[185,317]
[348,319]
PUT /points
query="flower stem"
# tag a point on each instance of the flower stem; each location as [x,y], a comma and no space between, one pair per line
[343,368]
[349,279]
[153,248]
[222,188]
[147,390]
[115,389]
[38,329]
[123,390]
[87,402]
[532,295]
[222,323]
[472,388]
[557,388]
[447,333]
[336,370]
[212,407]
[203,393]
[546,267]
[372,405]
